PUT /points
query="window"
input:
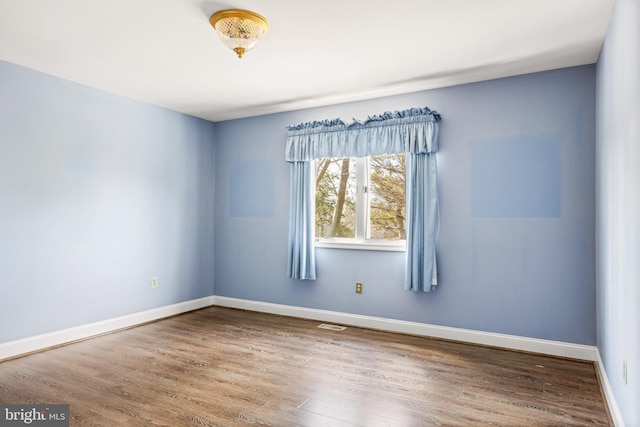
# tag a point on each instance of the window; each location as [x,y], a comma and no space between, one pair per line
[414,132]
[360,202]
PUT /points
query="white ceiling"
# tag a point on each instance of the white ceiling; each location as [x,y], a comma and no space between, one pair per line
[164,52]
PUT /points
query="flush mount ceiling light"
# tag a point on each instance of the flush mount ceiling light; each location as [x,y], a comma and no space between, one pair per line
[239,29]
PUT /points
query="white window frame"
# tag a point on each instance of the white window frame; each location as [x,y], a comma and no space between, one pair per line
[363,204]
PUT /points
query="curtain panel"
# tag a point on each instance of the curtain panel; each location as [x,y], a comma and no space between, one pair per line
[414,132]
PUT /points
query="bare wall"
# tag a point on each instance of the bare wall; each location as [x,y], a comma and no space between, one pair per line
[98,193]
[516,181]
[618,206]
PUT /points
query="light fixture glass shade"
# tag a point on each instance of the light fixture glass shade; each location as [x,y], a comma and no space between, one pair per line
[239,29]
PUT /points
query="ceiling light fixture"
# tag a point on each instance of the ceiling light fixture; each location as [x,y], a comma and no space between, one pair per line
[239,29]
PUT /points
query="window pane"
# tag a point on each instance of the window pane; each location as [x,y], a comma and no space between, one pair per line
[335,198]
[386,197]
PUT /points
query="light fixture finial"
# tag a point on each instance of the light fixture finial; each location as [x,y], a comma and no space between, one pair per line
[239,29]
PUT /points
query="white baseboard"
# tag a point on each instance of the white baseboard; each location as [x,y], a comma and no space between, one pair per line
[39,342]
[511,342]
[616,415]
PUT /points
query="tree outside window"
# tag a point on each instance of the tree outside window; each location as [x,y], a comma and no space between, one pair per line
[361,199]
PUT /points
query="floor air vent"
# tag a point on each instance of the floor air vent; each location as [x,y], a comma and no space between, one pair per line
[332,327]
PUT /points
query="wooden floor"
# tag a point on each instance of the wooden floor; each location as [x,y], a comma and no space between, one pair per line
[225,367]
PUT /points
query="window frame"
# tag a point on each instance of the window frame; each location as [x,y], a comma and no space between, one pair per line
[363,209]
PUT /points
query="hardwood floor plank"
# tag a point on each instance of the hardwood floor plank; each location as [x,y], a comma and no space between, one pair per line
[224,367]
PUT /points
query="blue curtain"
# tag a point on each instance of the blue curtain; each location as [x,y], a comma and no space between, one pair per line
[302,257]
[422,222]
[413,131]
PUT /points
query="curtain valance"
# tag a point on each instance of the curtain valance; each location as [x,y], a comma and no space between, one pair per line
[409,131]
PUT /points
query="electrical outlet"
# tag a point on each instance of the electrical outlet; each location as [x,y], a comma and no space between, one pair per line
[154,282]
[624,371]
[358,287]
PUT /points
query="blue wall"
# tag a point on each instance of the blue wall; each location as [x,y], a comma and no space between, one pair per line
[98,193]
[517,241]
[618,205]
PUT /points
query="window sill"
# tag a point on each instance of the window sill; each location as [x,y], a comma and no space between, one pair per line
[399,246]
